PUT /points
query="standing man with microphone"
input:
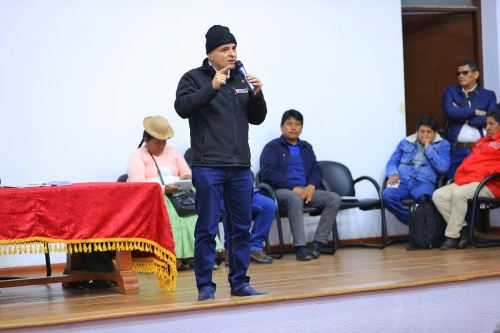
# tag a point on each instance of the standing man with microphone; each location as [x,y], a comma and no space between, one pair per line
[219,105]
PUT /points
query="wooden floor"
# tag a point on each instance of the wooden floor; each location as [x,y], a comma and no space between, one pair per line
[348,271]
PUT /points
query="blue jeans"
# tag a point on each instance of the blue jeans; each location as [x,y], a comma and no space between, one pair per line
[411,189]
[263,210]
[233,185]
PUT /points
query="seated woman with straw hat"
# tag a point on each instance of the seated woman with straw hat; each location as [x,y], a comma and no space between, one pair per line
[155,161]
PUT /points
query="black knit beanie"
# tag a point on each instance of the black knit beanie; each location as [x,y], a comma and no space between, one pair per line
[218,35]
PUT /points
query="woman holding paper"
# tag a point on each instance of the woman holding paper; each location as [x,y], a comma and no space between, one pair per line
[155,161]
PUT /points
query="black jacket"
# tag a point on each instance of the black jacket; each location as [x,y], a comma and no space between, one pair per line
[218,120]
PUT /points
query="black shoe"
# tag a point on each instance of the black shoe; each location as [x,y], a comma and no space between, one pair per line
[315,249]
[206,293]
[101,284]
[246,290]
[464,238]
[77,285]
[302,253]
[449,243]
[184,266]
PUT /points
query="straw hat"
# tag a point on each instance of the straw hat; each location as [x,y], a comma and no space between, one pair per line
[158,127]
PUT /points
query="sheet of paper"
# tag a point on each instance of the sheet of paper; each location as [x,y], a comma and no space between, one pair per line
[184,184]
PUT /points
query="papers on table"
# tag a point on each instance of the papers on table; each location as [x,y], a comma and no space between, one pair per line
[38,184]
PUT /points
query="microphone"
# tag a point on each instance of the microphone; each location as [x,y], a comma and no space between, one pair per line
[243,72]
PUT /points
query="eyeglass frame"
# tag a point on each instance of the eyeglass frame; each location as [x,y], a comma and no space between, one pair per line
[465,73]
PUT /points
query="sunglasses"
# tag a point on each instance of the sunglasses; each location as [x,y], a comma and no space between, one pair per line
[463,73]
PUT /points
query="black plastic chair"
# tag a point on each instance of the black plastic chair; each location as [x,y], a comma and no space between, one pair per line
[281,212]
[337,178]
[123,178]
[188,157]
[483,203]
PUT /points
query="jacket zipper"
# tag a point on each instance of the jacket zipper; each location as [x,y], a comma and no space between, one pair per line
[235,143]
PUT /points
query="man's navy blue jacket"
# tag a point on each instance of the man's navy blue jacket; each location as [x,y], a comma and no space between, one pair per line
[458,115]
[275,160]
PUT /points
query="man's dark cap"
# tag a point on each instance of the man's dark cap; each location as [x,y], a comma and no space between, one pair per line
[218,35]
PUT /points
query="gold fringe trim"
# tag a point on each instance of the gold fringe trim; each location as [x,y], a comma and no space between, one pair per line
[163,264]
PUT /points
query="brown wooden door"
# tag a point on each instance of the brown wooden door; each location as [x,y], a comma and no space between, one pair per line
[433,44]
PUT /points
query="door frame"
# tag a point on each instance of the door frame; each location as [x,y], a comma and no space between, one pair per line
[476,16]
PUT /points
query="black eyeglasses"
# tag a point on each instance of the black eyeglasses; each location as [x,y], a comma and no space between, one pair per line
[463,73]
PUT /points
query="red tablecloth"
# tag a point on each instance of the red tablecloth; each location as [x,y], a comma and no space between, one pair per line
[89,217]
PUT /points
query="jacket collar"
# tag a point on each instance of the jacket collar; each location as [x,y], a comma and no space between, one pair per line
[413,138]
[207,67]
[284,142]
[471,93]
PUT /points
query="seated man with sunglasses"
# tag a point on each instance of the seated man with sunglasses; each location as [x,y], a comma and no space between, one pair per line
[465,106]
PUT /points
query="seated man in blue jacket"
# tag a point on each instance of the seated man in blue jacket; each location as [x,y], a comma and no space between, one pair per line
[289,165]
[415,166]
[465,106]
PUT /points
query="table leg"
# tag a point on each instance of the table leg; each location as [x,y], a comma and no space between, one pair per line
[126,279]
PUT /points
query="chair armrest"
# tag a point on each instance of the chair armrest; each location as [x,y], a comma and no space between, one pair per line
[270,193]
[374,183]
[483,184]
[268,189]
[384,183]
[475,198]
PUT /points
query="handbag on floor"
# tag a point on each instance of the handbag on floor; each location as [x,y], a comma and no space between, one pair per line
[427,226]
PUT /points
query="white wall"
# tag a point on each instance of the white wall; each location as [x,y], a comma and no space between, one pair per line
[490,17]
[490,14]
[78,77]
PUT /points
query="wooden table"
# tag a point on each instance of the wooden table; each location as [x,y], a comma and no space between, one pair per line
[120,217]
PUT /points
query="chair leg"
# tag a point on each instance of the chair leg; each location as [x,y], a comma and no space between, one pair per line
[268,247]
[474,242]
[280,236]
[47,263]
[335,234]
[471,226]
[383,223]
